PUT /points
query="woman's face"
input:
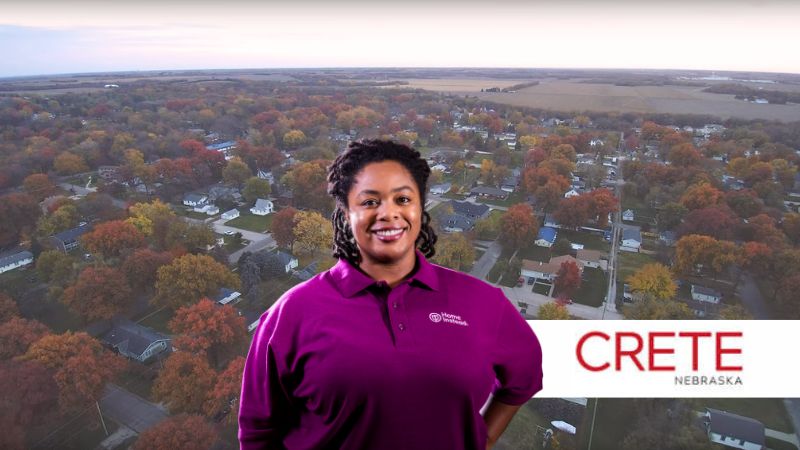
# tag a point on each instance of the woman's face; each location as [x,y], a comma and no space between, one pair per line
[385,213]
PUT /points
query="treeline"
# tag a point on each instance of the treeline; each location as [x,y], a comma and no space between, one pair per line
[751,94]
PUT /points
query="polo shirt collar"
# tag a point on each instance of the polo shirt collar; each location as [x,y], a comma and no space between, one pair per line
[350,280]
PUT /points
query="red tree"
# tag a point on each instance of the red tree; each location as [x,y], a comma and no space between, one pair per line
[717,221]
[573,212]
[207,327]
[225,396]
[99,293]
[111,238]
[283,228]
[140,268]
[19,213]
[568,279]
[178,433]
[184,382]
[29,394]
[518,226]
[17,334]
[603,202]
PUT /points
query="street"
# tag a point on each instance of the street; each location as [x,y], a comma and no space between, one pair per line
[129,409]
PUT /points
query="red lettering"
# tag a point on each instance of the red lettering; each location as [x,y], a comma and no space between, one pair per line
[695,335]
[651,340]
[579,351]
[727,351]
[631,353]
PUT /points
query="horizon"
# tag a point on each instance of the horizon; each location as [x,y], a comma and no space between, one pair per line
[88,37]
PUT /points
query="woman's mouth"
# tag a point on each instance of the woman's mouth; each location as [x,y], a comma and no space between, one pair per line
[389,234]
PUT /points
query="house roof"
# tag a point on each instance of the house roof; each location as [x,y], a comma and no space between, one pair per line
[262,204]
[443,186]
[538,266]
[194,198]
[221,145]
[489,191]
[469,209]
[628,212]
[590,255]
[736,426]
[284,258]
[547,233]
[15,258]
[550,218]
[234,210]
[558,260]
[224,293]
[72,234]
[697,289]
[511,181]
[632,233]
[131,337]
[458,221]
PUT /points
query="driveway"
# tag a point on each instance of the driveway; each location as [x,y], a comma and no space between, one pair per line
[793,408]
[129,409]
[751,297]
[483,265]
[524,294]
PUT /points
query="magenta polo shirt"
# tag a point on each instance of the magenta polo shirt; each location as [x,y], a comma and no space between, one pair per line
[343,361]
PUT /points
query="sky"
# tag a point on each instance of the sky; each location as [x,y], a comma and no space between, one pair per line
[51,37]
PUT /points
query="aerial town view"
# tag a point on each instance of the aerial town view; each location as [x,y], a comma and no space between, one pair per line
[149,218]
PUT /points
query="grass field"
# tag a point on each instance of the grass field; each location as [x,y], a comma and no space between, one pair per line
[593,288]
[251,222]
[590,241]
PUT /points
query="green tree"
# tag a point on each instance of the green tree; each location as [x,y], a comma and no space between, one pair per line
[236,173]
[255,188]
[455,251]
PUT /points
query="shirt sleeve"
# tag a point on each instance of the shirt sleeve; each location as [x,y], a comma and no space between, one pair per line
[518,358]
[265,408]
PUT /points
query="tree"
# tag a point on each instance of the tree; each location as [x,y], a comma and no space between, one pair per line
[309,184]
[745,202]
[182,432]
[756,257]
[786,297]
[68,163]
[81,366]
[54,267]
[696,252]
[700,196]
[282,228]
[20,213]
[734,312]
[189,278]
[791,227]
[573,212]
[553,311]
[8,307]
[255,188]
[684,155]
[111,238]
[62,219]
[454,251]
[312,231]
[670,216]
[17,335]
[184,382]
[294,138]
[487,228]
[98,293]
[564,151]
[29,394]
[603,202]
[140,268]
[205,327]
[146,216]
[649,308]
[224,399]
[717,221]
[568,279]
[236,173]
[654,280]
[38,186]
[518,226]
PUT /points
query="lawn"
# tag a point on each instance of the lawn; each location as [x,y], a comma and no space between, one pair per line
[158,320]
[590,241]
[53,313]
[629,263]
[251,222]
[534,252]
[594,286]
[525,430]
[513,199]
[541,288]
[770,411]
[182,211]
[612,422]
[230,246]
[776,444]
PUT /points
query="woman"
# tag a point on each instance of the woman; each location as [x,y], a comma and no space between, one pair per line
[386,350]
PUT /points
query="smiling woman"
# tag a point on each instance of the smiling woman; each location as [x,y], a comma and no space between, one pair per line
[386,350]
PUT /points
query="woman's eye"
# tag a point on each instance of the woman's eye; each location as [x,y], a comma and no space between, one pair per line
[369,203]
[404,200]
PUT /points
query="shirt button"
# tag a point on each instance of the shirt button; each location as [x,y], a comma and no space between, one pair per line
[402,327]
[394,305]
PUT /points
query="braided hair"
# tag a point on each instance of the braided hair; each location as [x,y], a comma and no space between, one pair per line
[341,177]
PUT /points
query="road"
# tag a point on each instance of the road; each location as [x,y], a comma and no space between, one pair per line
[610,303]
[129,409]
[258,241]
[485,263]
[751,297]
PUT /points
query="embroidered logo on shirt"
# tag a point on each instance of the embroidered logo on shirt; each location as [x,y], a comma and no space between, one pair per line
[448,318]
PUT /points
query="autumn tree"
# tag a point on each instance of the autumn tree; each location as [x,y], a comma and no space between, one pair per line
[573,212]
[141,266]
[62,219]
[791,227]
[734,312]
[454,251]
[717,221]
[17,335]
[236,173]
[553,311]
[650,308]
[518,226]
[184,382]
[68,163]
[603,202]
[653,280]
[700,196]
[111,238]
[30,397]
[282,227]
[312,231]
[225,395]
[81,366]
[182,432]
[696,252]
[744,202]
[8,307]
[54,267]
[38,186]
[189,278]
[255,188]
[568,279]
[206,327]
[670,216]
[20,213]
[309,183]
[98,293]
[684,155]
[151,217]
[294,138]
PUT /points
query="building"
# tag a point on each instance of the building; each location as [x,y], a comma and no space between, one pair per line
[735,431]
[668,238]
[68,240]
[705,294]
[631,239]
[207,208]
[230,215]
[510,184]
[439,189]
[546,237]
[628,215]
[571,193]
[15,260]
[592,258]
[262,207]
[456,223]
[226,148]
[108,173]
[135,341]
[227,297]
[288,260]
[546,270]
[195,200]
[469,210]
[489,193]
[550,221]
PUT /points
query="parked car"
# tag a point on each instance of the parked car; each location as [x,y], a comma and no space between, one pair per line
[531,280]
[230,232]
[520,281]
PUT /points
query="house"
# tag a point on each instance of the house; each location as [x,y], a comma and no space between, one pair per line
[439,189]
[546,237]
[705,294]
[489,192]
[14,260]
[266,176]
[510,184]
[546,270]
[251,318]
[456,223]
[567,258]
[227,297]
[592,258]
[668,238]
[230,215]
[220,192]
[288,260]
[208,209]
[68,240]
[440,167]
[223,147]
[307,272]
[194,200]
[262,207]
[631,239]
[135,341]
[469,210]
[703,310]
[108,173]
[550,221]
[571,193]
[627,215]
[733,430]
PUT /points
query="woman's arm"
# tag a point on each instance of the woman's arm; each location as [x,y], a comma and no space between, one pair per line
[497,417]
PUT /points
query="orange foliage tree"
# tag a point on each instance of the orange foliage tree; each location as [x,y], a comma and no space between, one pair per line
[207,327]
[111,238]
[184,382]
[17,335]
[225,396]
[98,293]
[191,277]
[181,432]
[518,226]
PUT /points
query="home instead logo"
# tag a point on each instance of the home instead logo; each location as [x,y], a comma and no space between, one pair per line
[447,318]
[670,358]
